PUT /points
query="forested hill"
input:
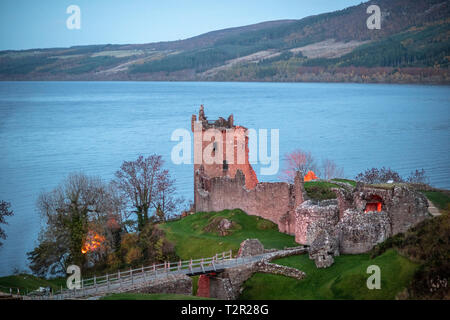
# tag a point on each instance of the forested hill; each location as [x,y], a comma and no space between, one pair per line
[412,46]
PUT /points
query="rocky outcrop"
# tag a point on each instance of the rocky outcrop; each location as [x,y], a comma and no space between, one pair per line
[250,247]
[360,232]
[221,226]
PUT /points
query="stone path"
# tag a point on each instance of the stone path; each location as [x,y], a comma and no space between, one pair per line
[432,209]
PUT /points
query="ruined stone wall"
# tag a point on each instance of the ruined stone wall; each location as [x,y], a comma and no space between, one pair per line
[221,288]
[272,201]
[175,284]
[360,232]
[228,285]
[313,216]
[405,207]
[277,269]
[355,225]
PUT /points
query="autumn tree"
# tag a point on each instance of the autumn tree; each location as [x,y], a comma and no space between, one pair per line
[4,212]
[297,161]
[80,205]
[148,188]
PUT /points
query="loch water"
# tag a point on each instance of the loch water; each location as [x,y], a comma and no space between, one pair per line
[51,129]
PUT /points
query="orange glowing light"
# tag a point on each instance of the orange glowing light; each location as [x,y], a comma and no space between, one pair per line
[310,176]
[373,206]
[92,243]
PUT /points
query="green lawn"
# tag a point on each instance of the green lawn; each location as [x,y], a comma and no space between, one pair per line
[193,240]
[345,279]
[147,296]
[27,283]
[440,199]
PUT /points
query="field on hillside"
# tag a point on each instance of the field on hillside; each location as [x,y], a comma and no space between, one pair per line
[195,236]
[345,279]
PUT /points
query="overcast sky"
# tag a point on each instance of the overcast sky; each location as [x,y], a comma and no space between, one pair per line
[26,24]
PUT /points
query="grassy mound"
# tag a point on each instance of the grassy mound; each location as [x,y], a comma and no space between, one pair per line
[194,239]
[320,190]
[345,279]
[148,296]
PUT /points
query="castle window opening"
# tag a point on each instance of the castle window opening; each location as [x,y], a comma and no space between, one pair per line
[225,165]
[375,204]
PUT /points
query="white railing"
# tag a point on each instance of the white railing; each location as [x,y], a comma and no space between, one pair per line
[128,280]
[125,278]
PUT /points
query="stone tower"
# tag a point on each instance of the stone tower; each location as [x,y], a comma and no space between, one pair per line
[221,136]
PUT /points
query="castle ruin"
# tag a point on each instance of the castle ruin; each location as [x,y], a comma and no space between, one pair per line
[358,219]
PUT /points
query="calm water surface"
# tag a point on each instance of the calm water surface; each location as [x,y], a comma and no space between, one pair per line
[49,129]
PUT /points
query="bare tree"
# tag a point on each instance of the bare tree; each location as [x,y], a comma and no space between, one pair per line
[166,202]
[418,177]
[146,185]
[375,175]
[297,161]
[330,170]
[4,212]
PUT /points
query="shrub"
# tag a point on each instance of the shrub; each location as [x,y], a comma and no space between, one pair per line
[320,190]
[133,256]
[374,175]
[265,225]
[418,176]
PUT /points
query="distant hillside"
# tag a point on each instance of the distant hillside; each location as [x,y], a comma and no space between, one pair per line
[411,46]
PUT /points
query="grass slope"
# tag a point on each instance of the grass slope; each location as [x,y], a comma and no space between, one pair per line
[193,241]
[345,279]
[27,283]
[440,199]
